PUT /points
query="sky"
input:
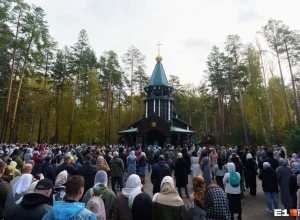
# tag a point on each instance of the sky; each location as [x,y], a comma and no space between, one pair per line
[187,29]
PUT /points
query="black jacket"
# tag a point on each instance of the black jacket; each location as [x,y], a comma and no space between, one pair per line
[48,171]
[159,171]
[124,159]
[181,172]
[238,165]
[273,162]
[68,167]
[294,188]
[268,178]
[33,207]
[88,171]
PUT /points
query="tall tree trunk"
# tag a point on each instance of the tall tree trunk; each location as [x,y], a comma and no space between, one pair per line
[293,84]
[6,116]
[267,95]
[220,119]
[261,119]
[58,116]
[73,109]
[131,92]
[283,90]
[46,130]
[42,114]
[109,108]
[19,90]
[243,116]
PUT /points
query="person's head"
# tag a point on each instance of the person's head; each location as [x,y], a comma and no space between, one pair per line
[248,156]
[27,168]
[142,207]
[204,154]
[88,158]
[179,155]
[74,187]
[282,162]
[31,162]
[161,158]
[48,158]
[61,178]
[4,157]
[199,189]
[133,181]
[44,187]
[166,155]
[266,165]
[3,166]
[67,159]
[116,154]
[100,178]
[230,167]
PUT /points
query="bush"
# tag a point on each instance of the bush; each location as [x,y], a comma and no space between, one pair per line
[293,140]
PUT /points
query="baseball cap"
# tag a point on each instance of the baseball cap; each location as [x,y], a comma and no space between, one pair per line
[44,184]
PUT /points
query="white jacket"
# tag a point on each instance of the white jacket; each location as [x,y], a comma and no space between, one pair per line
[226,180]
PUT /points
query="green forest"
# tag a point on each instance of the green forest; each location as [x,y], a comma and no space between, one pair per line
[72,95]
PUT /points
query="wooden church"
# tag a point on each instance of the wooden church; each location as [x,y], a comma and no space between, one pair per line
[160,125]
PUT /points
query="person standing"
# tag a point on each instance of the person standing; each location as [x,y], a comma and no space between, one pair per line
[4,189]
[213,156]
[231,182]
[195,166]
[169,162]
[196,207]
[142,207]
[116,171]
[71,208]
[220,169]
[131,163]
[142,166]
[48,170]
[283,174]
[68,166]
[181,175]
[159,171]
[205,167]
[251,172]
[34,205]
[270,158]
[167,204]
[269,185]
[150,154]
[88,172]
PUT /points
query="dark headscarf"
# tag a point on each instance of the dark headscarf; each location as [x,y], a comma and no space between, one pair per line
[142,207]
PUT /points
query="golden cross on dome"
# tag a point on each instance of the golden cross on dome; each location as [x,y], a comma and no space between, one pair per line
[158,46]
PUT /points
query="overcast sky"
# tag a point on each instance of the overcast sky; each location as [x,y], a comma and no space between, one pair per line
[187,29]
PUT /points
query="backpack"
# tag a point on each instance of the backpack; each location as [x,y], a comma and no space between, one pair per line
[96,205]
[234,179]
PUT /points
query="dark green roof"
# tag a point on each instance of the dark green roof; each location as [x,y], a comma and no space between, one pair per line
[158,76]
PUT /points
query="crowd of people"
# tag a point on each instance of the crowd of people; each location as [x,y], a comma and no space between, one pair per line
[107,182]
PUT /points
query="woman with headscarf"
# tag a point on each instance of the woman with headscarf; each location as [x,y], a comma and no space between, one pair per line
[102,165]
[269,185]
[181,175]
[205,167]
[250,174]
[298,195]
[294,159]
[59,186]
[101,189]
[167,204]
[142,207]
[283,174]
[233,192]
[28,154]
[196,207]
[124,200]
[142,166]
[195,166]
[18,190]
[293,183]
[213,156]
[220,169]
[131,163]
[216,203]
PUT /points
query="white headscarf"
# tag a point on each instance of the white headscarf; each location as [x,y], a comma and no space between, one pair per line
[100,178]
[134,186]
[22,184]
[61,178]
[29,190]
[249,156]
